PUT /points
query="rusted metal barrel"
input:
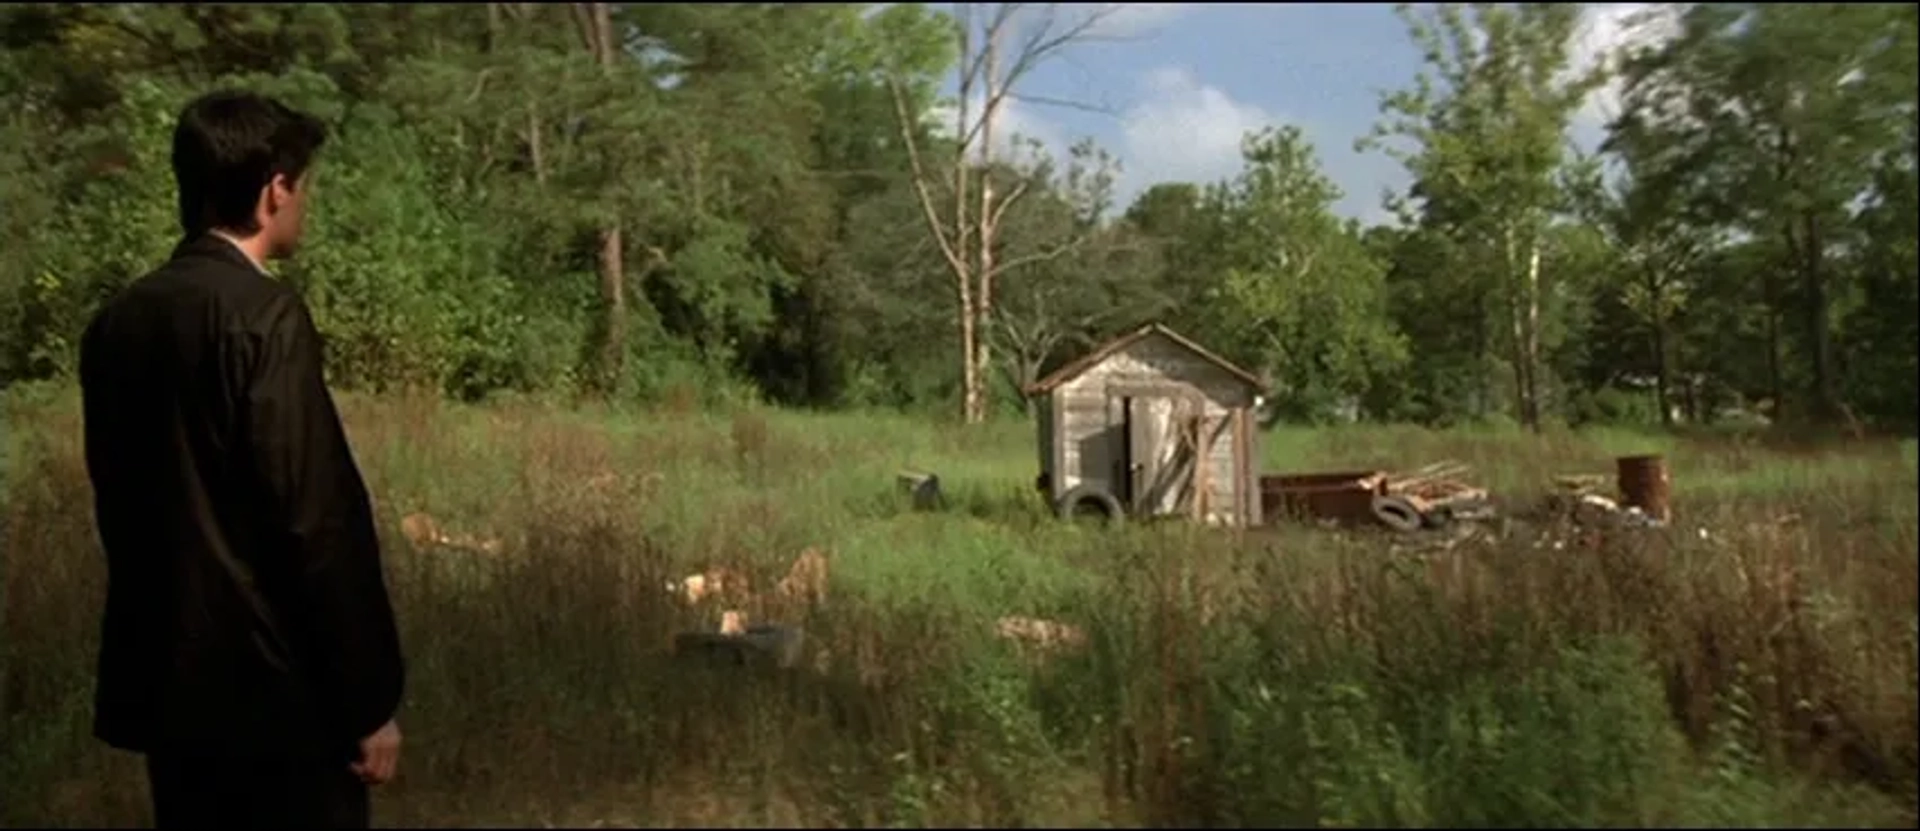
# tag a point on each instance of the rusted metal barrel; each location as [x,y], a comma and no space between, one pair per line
[1644,484]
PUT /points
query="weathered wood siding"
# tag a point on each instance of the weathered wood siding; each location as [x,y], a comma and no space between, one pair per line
[1092,440]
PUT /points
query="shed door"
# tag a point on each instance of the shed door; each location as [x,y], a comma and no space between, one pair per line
[1142,452]
[1160,453]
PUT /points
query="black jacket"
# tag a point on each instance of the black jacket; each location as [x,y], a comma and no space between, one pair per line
[246,610]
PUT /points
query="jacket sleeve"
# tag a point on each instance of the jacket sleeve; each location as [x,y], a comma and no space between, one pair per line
[340,612]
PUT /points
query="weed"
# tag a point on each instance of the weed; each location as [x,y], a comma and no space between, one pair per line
[1753,664]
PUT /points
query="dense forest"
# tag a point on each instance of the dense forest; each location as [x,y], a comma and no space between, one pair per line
[814,205]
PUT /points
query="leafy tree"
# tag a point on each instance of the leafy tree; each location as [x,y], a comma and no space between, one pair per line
[773,200]
[1488,119]
[1300,290]
[1780,112]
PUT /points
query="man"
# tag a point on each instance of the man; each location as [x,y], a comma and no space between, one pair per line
[248,647]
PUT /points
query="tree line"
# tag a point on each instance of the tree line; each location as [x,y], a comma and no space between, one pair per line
[775,201]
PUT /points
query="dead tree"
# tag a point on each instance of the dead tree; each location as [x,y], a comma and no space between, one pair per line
[998,47]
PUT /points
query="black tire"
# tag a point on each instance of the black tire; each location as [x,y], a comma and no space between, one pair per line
[1397,513]
[1090,501]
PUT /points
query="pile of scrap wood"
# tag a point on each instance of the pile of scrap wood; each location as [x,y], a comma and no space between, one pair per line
[1577,496]
[1429,496]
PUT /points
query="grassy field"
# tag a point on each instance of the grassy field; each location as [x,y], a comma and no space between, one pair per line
[1760,673]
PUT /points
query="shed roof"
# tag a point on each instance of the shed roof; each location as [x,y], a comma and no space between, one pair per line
[1074,368]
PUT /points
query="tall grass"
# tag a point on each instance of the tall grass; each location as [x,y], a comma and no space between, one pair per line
[1763,672]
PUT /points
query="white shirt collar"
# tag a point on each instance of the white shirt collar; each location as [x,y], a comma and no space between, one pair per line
[243,252]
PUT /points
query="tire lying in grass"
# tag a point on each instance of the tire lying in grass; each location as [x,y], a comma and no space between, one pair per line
[1397,513]
[765,646]
[1090,502]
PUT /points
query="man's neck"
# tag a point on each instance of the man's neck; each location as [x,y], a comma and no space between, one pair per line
[254,248]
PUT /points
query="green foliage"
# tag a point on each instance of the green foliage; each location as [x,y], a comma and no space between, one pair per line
[1488,120]
[1777,119]
[773,244]
[1300,289]
[1743,243]
[1288,677]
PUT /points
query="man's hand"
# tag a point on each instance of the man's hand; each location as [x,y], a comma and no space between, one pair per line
[379,755]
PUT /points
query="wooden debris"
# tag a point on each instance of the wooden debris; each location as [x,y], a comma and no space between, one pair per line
[423,532]
[1045,635]
[1579,483]
[1594,509]
[801,590]
[717,581]
[1429,473]
[807,579]
[1435,491]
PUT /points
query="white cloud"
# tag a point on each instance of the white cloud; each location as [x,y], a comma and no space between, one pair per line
[1606,31]
[1157,137]
[1137,19]
[1026,123]
[1183,130]
[1118,20]
[1014,127]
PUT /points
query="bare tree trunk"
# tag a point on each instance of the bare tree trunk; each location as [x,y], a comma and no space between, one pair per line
[988,231]
[966,238]
[969,346]
[963,264]
[946,237]
[1519,367]
[1532,350]
[613,289]
[1516,322]
[1657,320]
[1662,383]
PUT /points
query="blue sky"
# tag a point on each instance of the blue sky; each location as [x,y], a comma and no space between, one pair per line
[1189,79]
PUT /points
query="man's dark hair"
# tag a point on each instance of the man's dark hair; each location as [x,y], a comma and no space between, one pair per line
[228,145]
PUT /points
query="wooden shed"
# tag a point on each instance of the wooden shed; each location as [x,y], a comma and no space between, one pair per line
[1151,424]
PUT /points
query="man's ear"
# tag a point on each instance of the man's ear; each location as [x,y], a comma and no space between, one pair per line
[279,190]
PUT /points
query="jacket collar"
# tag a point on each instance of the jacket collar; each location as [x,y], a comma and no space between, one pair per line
[212,245]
